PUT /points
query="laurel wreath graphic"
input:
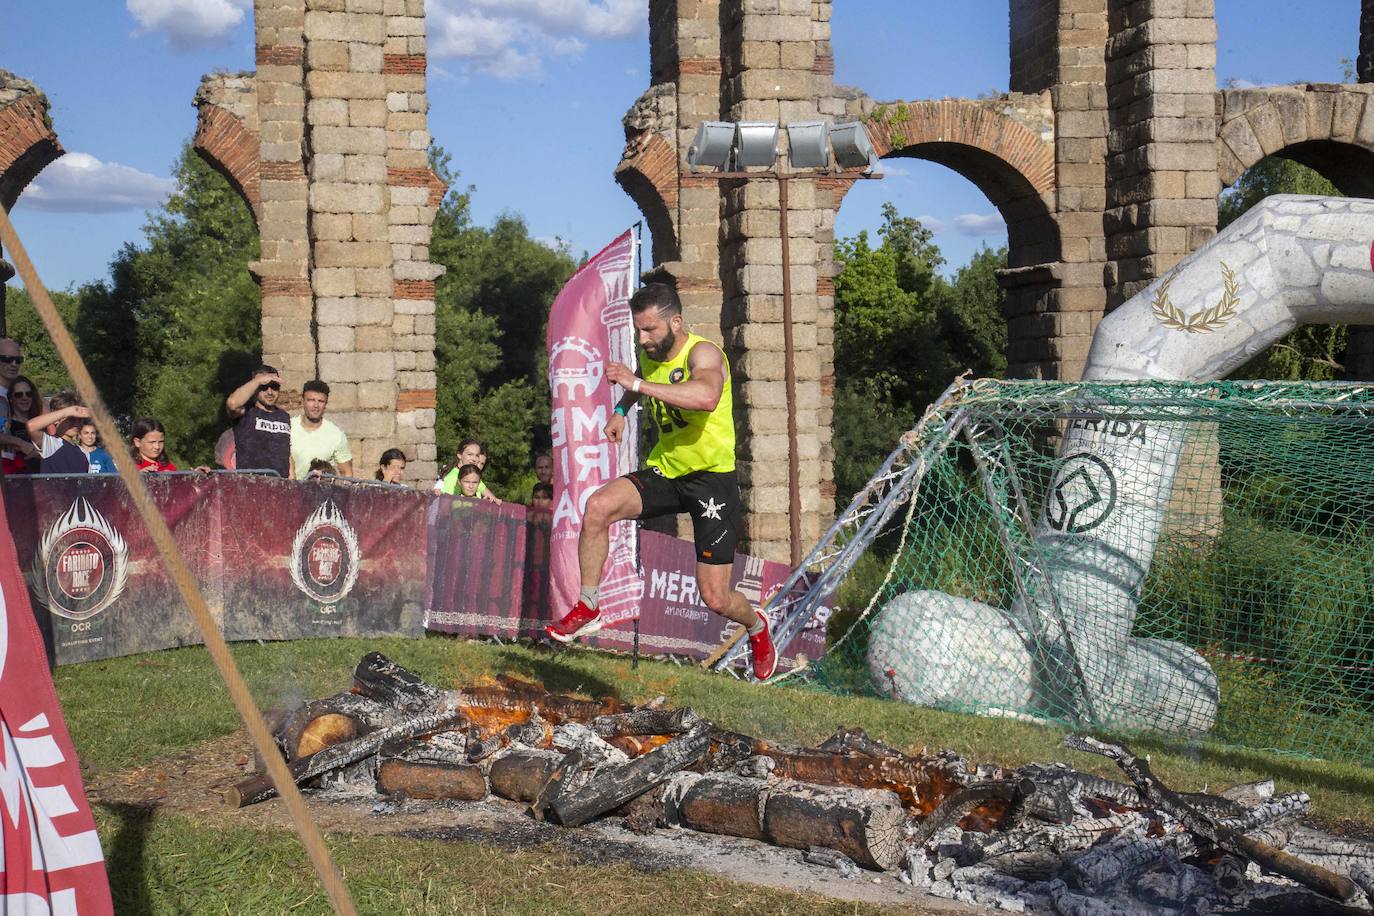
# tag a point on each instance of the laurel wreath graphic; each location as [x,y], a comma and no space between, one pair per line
[1205,321]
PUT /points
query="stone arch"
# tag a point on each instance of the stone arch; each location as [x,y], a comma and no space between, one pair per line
[227,133]
[27,141]
[649,175]
[1323,126]
[1005,158]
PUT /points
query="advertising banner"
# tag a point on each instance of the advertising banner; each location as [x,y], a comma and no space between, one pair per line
[275,559]
[335,557]
[52,857]
[590,325]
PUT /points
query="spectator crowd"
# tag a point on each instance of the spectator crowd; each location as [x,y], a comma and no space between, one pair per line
[56,435]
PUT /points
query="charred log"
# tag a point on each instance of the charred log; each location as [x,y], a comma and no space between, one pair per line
[260,788]
[616,784]
[379,678]
[521,774]
[1276,860]
[729,805]
[645,721]
[868,825]
[962,802]
[431,780]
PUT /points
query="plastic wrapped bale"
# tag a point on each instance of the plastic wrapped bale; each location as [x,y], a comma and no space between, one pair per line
[939,650]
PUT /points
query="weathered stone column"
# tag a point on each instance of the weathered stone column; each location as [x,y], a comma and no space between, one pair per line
[1055,294]
[283,267]
[768,51]
[1359,357]
[1162,165]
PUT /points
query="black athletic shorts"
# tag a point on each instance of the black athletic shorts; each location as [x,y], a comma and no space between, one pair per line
[710,497]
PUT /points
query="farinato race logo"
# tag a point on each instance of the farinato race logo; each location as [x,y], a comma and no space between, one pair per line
[325,556]
[82,564]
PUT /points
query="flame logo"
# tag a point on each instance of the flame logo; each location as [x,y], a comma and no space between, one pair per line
[327,518]
[83,517]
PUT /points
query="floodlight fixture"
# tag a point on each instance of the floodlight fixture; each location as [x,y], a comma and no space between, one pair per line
[853,149]
[711,146]
[756,144]
[808,144]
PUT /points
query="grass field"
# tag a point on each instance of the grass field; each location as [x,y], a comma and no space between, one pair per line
[126,712]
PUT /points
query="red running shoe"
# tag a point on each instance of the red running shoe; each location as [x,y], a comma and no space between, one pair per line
[581,621]
[763,657]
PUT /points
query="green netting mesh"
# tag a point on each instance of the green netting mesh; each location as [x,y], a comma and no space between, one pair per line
[1191,559]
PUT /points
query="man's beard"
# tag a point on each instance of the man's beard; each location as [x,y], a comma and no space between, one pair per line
[658,351]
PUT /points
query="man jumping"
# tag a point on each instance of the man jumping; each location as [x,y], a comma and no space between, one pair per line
[692,469]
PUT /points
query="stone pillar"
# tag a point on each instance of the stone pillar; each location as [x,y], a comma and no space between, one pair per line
[1162,160]
[1364,64]
[369,214]
[1055,294]
[283,268]
[768,52]
[414,197]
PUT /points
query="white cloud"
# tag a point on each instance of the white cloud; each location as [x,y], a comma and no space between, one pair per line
[190,23]
[509,39]
[892,170]
[980,224]
[81,183]
[975,225]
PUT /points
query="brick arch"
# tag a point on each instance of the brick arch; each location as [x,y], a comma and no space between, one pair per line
[27,145]
[998,153]
[1323,126]
[649,174]
[230,148]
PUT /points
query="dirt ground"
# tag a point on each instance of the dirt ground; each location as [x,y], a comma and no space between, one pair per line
[190,782]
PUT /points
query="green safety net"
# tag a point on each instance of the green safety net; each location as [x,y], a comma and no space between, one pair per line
[1194,559]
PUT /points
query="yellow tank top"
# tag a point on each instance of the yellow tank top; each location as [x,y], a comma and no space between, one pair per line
[689,440]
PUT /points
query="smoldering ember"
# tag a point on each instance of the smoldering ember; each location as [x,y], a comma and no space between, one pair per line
[1038,839]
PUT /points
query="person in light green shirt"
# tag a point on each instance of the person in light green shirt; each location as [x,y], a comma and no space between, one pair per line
[313,437]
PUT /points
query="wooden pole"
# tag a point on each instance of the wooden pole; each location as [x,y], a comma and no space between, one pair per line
[161,535]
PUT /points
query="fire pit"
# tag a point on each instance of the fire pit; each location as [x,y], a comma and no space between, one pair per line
[1036,839]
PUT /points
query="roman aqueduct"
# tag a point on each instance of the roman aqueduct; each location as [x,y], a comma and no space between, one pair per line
[1105,158]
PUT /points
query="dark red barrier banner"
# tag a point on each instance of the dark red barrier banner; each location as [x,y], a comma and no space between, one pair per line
[275,559]
[477,567]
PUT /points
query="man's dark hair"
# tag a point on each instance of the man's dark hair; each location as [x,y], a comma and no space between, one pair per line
[659,296]
[543,489]
[316,386]
[64,398]
[266,368]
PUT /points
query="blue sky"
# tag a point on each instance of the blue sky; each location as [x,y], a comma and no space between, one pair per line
[527,96]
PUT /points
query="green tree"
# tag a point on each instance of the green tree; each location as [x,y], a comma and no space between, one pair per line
[41,362]
[902,332]
[492,307]
[1311,352]
[178,323]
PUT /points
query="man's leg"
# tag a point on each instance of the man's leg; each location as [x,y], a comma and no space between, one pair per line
[713,580]
[617,501]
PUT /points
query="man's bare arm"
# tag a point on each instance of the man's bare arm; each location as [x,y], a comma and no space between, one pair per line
[237,402]
[702,389]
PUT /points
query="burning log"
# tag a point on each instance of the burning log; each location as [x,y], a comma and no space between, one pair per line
[520,774]
[616,784]
[964,801]
[260,788]
[1163,798]
[856,741]
[431,780]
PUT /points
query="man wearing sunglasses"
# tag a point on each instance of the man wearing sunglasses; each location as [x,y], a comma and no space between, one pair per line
[262,430]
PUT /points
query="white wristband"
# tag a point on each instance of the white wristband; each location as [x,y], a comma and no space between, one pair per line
[635,386]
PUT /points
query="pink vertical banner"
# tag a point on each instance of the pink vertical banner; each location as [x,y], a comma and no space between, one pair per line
[589,326]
